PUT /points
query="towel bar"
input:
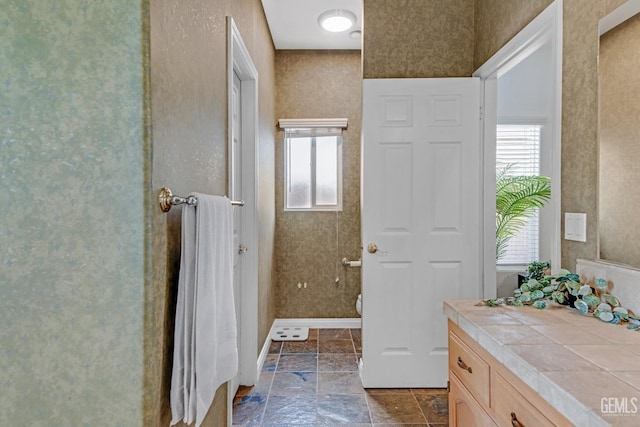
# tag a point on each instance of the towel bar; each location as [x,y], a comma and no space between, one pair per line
[167,199]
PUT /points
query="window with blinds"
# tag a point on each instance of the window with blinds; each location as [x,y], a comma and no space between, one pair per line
[519,145]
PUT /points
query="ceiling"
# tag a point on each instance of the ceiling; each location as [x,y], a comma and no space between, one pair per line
[294,24]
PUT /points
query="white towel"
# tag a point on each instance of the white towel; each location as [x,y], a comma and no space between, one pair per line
[205,344]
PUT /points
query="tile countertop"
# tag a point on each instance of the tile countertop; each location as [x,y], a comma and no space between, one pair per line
[580,365]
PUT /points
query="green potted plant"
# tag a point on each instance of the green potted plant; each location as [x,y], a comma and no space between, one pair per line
[517,199]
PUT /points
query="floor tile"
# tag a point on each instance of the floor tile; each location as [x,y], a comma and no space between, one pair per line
[337,362]
[248,410]
[340,409]
[316,383]
[270,363]
[404,391]
[357,343]
[295,410]
[434,405]
[335,346]
[339,383]
[275,347]
[294,383]
[285,425]
[401,425]
[334,334]
[261,388]
[417,391]
[298,363]
[394,408]
[309,346]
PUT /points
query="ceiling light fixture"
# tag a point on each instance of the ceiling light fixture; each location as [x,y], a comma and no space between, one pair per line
[337,20]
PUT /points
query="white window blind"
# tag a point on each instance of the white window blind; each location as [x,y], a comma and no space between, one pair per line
[519,145]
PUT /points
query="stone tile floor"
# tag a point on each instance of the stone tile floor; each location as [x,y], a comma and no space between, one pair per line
[316,383]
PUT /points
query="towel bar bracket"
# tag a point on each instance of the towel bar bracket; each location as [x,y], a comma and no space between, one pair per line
[167,199]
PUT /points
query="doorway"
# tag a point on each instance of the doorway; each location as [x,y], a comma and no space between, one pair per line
[242,81]
[540,41]
[391,290]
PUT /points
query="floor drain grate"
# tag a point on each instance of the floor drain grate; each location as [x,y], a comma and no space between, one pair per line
[290,333]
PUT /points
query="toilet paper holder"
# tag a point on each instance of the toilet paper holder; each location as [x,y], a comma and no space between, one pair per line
[348,263]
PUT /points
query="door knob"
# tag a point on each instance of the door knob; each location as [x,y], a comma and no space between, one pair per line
[372,248]
[242,249]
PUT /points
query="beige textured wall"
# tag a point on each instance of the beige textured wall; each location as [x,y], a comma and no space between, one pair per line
[189,122]
[619,143]
[417,38]
[317,84]
[497,21]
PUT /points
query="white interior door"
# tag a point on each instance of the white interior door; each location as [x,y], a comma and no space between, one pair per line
[421,208]
[236,194]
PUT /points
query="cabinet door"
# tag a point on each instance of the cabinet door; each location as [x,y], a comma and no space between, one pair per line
[464,411]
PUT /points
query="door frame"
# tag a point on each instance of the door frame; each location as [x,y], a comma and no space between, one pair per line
[239,61]
[545,28]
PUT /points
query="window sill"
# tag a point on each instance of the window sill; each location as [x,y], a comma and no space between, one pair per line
[512,268]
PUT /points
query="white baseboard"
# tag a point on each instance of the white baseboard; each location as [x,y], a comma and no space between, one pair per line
[265,349]
[329,323]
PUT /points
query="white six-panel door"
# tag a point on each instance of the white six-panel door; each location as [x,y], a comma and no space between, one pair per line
[421,208]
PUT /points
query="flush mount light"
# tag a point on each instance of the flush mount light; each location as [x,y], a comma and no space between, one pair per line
[337,20]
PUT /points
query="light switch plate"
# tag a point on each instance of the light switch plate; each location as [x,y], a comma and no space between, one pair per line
[575,226]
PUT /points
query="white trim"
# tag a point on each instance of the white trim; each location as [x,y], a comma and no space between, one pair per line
[239,61]
[545,28]
[488,125]
[515,120]
[556,135]
[265,350]
[313,123]
[618,16]
[320,323]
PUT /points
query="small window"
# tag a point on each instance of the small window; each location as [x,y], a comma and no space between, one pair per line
[313,169]
[519,145]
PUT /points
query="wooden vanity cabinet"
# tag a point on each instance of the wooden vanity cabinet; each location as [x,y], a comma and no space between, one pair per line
[464,410]
[484,393]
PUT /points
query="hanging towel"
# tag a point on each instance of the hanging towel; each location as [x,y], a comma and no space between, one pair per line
[183,331]
[205,344]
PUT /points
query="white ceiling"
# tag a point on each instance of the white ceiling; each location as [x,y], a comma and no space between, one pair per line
[294,24]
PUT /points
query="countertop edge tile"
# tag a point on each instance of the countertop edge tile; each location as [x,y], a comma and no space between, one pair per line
[563,401]
[523,370]
[492,345]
